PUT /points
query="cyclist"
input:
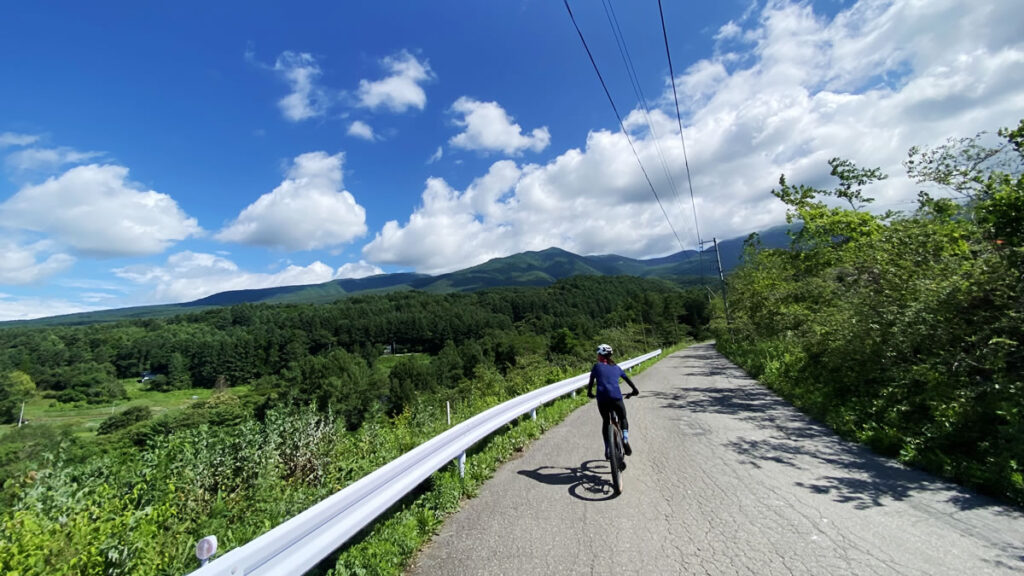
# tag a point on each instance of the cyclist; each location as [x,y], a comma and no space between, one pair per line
[605,375]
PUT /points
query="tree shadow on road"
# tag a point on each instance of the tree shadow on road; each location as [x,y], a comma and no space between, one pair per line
[586,481]
[704,360]
[787,437]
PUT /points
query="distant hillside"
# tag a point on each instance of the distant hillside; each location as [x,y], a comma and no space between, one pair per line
[525,269]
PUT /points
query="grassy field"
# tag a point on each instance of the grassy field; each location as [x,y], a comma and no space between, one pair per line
[84,419]
[387,362]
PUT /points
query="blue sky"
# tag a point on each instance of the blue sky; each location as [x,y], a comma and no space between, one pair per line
[155,154]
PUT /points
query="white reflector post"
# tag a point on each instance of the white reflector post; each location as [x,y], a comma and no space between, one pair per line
[205,548]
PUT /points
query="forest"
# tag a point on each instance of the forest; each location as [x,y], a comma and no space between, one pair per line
[305,399]
[901,331]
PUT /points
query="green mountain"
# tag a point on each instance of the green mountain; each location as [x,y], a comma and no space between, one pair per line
[525,269]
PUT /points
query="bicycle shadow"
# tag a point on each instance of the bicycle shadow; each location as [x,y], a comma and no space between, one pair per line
[590,481]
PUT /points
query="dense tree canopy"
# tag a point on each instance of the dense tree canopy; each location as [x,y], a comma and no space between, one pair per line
[903,331]
[244,343]
[15,388]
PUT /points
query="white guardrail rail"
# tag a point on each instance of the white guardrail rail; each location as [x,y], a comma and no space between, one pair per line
[300,542]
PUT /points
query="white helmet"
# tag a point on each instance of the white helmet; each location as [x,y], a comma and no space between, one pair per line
[604,350]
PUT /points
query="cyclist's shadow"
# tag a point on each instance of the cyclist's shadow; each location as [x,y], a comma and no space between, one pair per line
[590,481]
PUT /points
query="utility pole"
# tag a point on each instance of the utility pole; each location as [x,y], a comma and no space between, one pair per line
[721,277]
[707,289]
[21,417]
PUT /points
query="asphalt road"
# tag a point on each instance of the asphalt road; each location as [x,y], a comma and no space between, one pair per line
[725,478]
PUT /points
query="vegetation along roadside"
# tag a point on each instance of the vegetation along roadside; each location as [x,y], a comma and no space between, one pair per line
[300,401]
[905,332]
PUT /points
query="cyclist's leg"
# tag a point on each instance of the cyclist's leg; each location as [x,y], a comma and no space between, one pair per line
[620,408]
[605,409]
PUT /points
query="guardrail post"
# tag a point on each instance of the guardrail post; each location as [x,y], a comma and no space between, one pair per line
[573,393]
[462,465]
[533,414]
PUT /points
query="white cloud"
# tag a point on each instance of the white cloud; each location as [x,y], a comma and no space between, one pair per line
[867,84]
[12,139]
[12,308]
[360,129]
[488,128]
[46,159]
[437,155]
[21,263]
[310,209]
[399,91]
[728,31]
[188,276]
[97,211]
[307,99]
[588,202]
[452,230]
[360,269]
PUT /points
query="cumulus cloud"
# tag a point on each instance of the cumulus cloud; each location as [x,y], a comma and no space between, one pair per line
[21,264]
[360,269]
[452,229]
[796,89]
[589,202]
[46,159]
[8,139]
[307,99]
[362,130]
[866,85]
[188,276]
[95,210]
[488,128]
[310,209]
[401,89]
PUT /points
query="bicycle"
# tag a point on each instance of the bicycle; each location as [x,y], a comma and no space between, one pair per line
[617,460]
[616,448]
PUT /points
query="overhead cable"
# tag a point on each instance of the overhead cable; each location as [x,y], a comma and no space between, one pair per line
[627,61]
[679,119]
[621,124]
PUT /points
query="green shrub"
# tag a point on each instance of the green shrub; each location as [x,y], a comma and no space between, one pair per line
[125,418]
[902,332]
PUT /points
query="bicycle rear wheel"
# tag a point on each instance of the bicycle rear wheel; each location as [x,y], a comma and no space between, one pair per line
[614,439]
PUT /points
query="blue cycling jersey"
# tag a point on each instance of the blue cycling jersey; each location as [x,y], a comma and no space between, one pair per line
[607,377]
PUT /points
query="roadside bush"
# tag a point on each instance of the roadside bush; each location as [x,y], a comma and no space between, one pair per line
[124,419]
[70,396]
[905,332]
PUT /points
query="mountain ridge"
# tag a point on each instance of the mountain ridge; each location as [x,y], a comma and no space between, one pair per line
[531,268]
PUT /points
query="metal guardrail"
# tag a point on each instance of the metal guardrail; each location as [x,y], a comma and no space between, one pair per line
[300,542]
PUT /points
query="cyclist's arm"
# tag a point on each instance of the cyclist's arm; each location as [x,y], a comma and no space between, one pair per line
[630,382]
[590,386]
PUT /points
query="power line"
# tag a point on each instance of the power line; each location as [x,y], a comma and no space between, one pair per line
[622,126]
[679,118]
[627,61]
